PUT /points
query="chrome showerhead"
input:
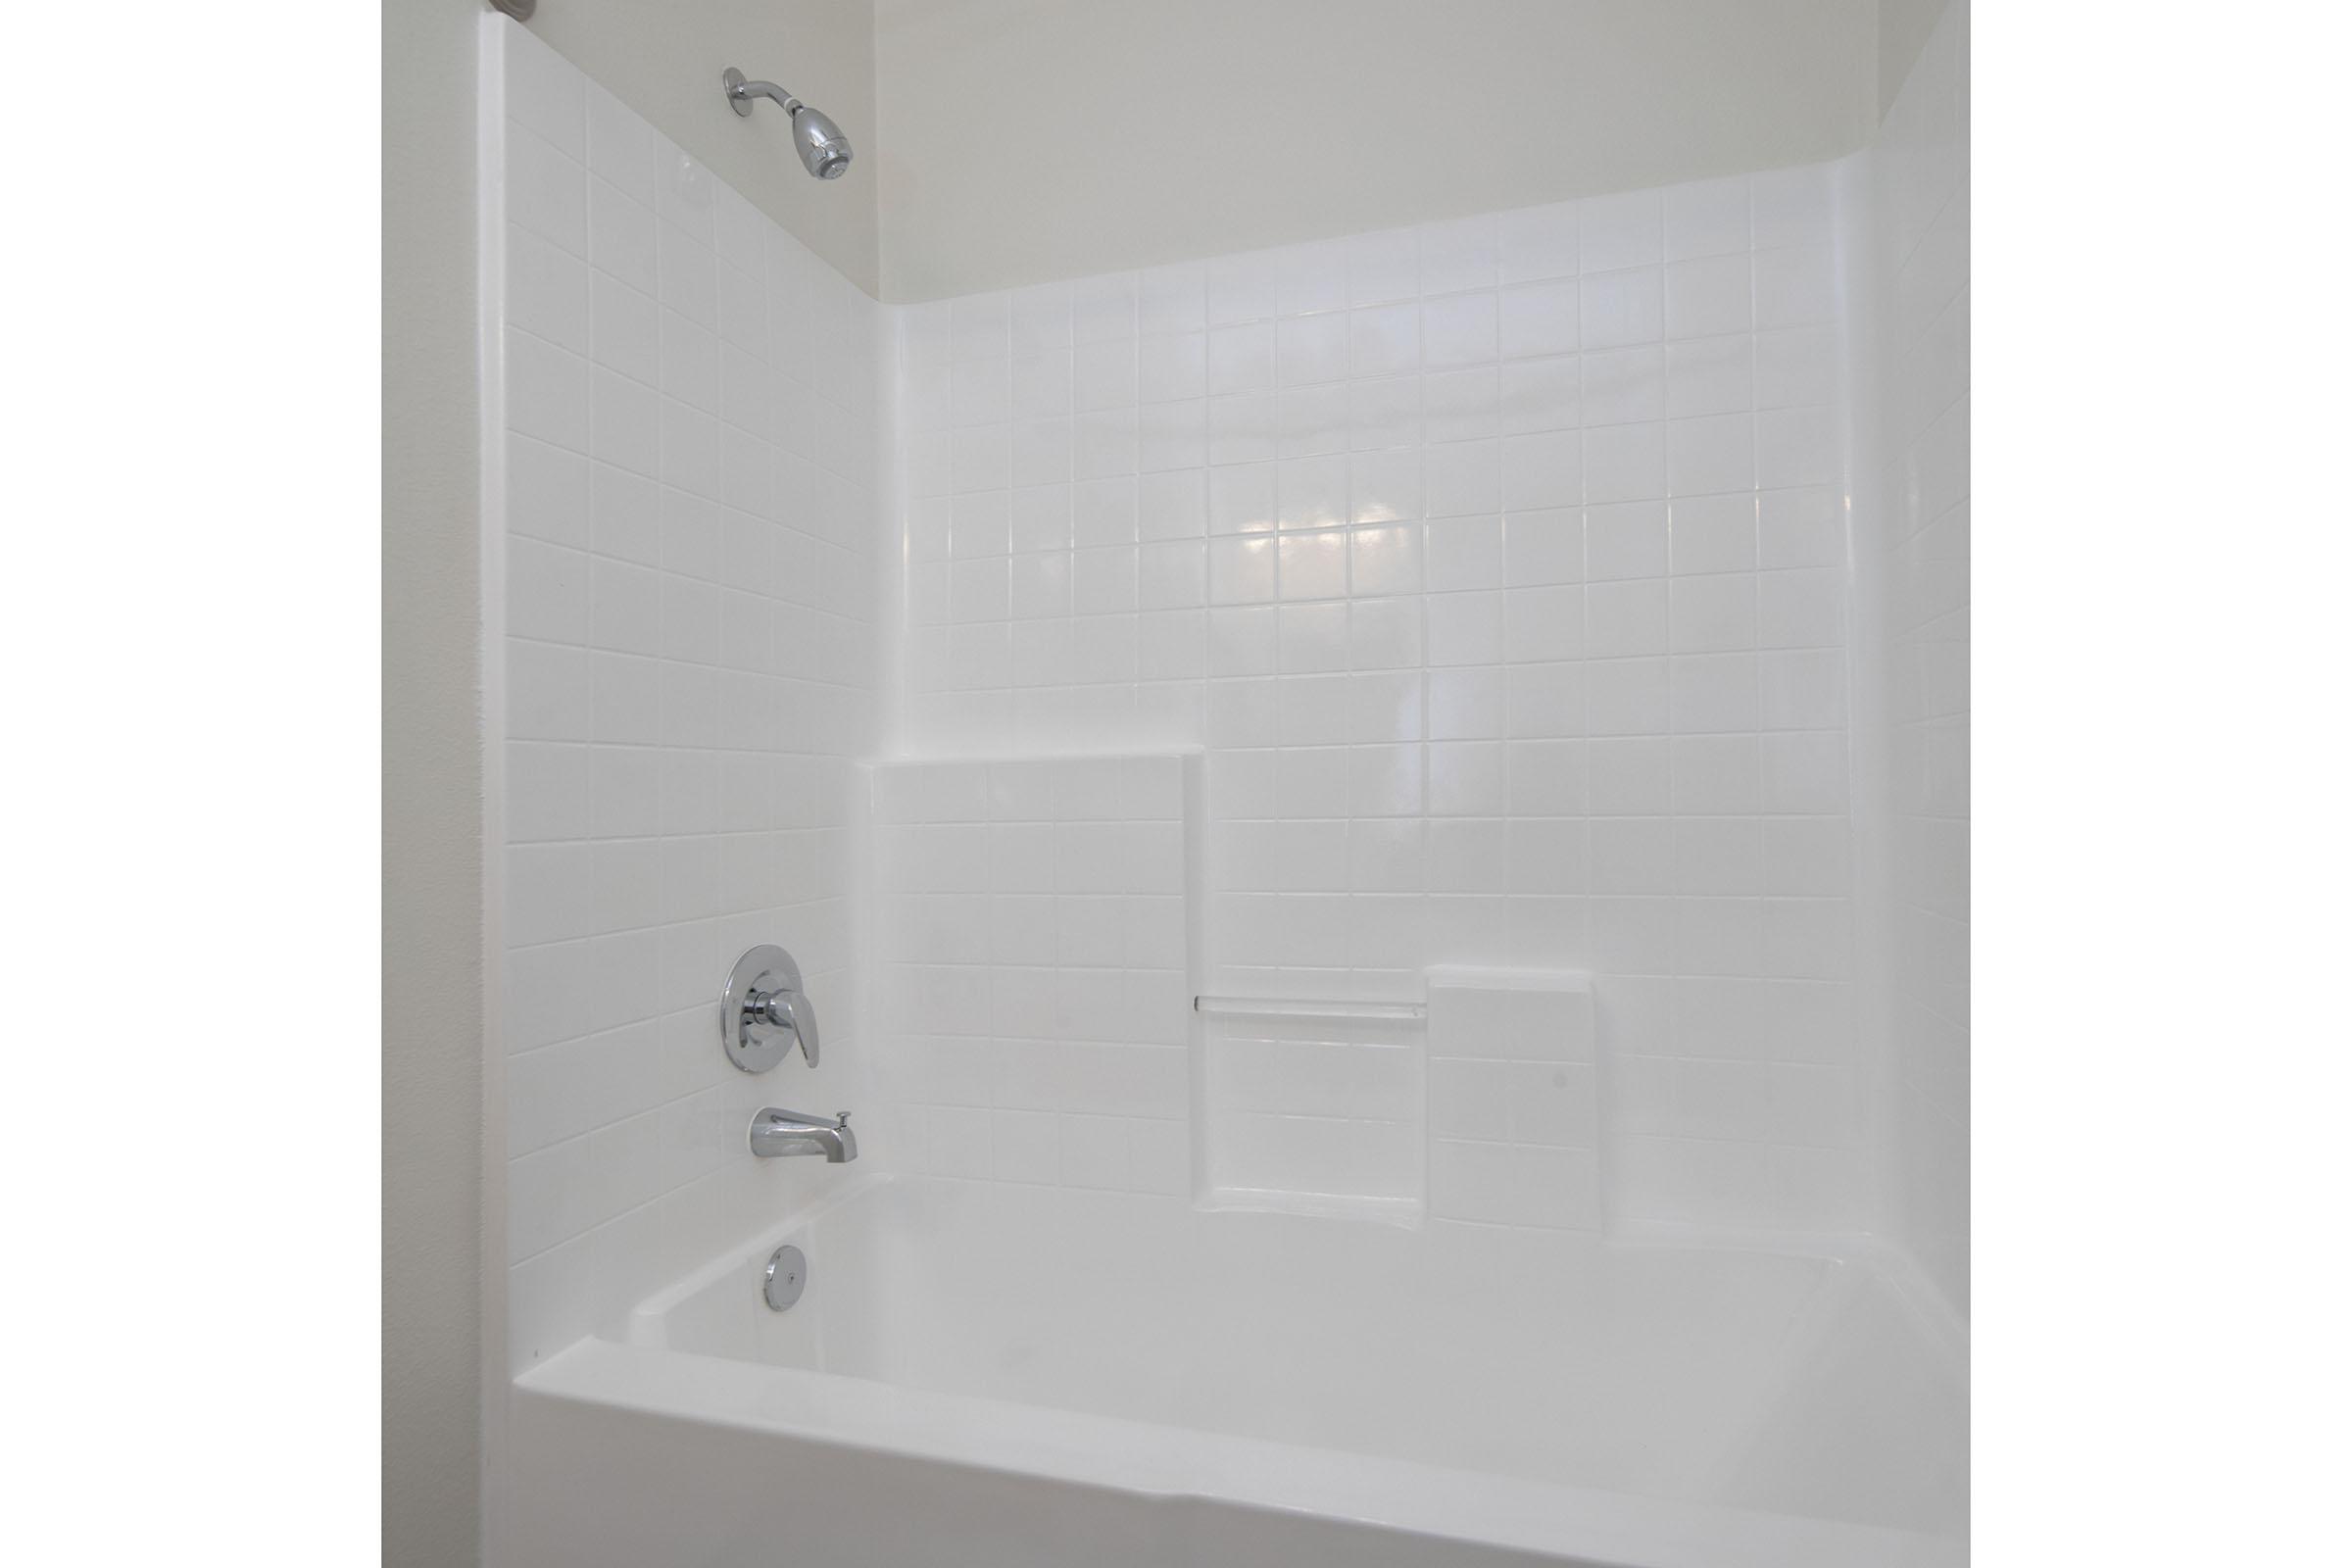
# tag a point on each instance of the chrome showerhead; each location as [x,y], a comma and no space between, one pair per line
[822,146]
[824,151]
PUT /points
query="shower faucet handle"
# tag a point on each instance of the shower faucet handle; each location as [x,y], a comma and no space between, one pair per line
[763,1012]
[787,1010]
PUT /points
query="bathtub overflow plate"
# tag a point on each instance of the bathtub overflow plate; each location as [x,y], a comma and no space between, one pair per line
[787,1277]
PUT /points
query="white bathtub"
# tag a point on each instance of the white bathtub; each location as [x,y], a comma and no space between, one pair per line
[982,1374]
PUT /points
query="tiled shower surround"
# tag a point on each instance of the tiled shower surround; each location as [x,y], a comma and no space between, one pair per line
[1499,569]
[692,673]
[1455,616]
[1033,970]
[1920,569]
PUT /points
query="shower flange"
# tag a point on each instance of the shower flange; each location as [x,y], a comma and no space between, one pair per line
[733,81]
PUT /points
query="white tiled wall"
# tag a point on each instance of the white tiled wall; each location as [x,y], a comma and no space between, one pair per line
[1032,982]
[1305,1112]
[1514,1089]
[691,662]
[1301,623]
[1499,569]
[1922,207]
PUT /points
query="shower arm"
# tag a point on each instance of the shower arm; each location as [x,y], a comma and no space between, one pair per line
[740,93]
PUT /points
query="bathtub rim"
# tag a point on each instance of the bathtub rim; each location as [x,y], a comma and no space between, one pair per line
[1169,1463]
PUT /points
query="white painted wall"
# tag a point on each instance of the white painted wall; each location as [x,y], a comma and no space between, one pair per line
[1025,140]
[1904,28]
[433,784]
[1012,141]
[662,58]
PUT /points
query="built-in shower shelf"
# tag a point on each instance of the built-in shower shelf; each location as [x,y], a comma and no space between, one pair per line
[1406,1212]
[1295,1007]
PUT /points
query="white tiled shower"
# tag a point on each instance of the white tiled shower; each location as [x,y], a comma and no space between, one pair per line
[1460,724]
[1915,562]
[693,620]
[1496,568]
[1033,969]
